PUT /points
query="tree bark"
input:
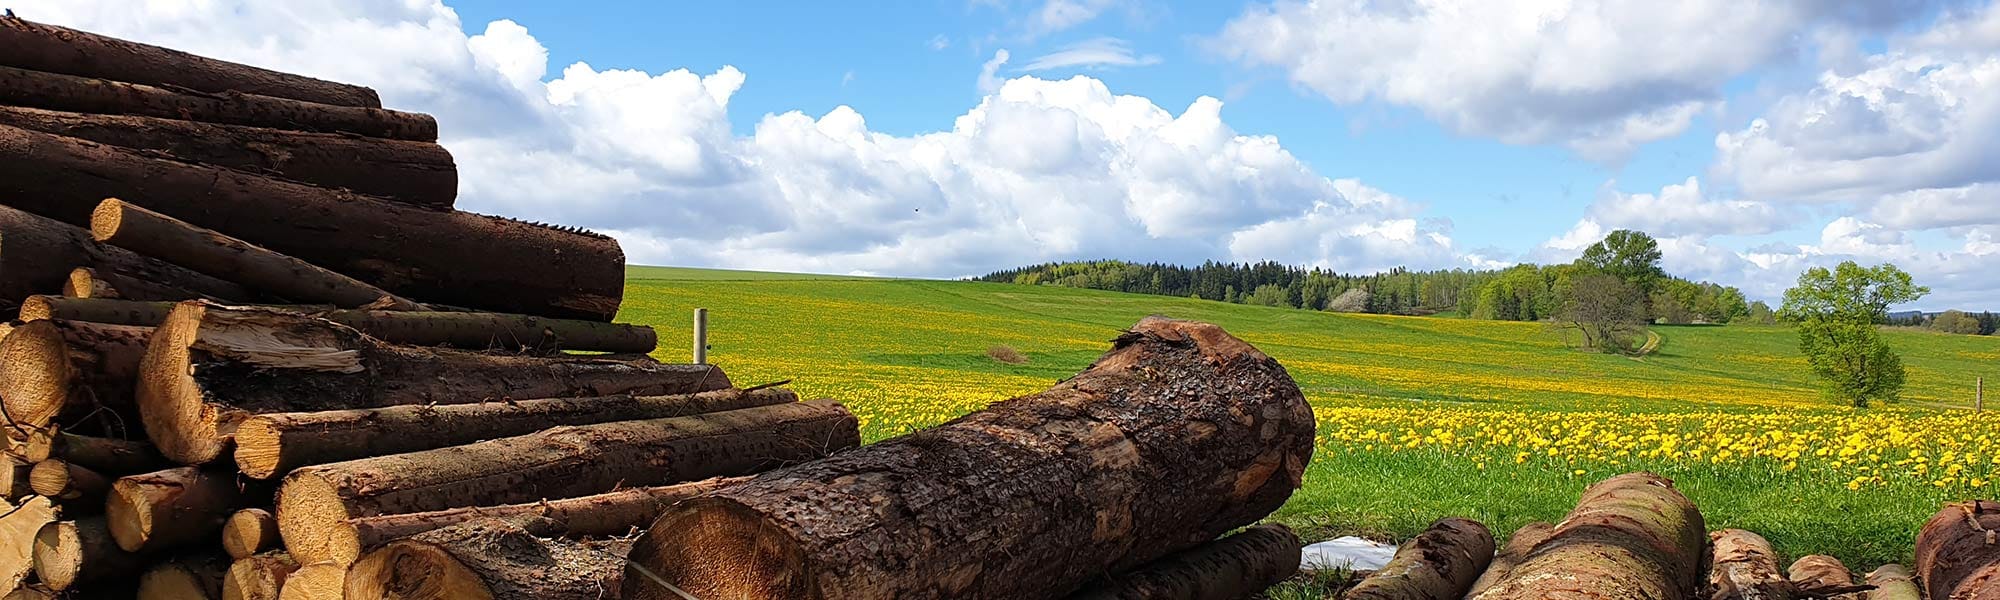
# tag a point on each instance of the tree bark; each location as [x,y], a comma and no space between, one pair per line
[248,532]
[73,485]
[73,372]
[1238,566]
[212,367]
[164,509]
[441,257]
[258,577]
[104,455]
[1518,547]
[1957,555]
[19,527]
[456,329]
[89,283]
[1179,434]
[417,173]
[273,444]
[315,582]
[1632,537]
[608,514]
[71,93]
[30,45]
[1822,576]
[193,577]
[1745,568]
[68,554]
[316,504]
[1893,582]
[206,251]
[38,253]
[488,560]
[109,311]
[1439,564]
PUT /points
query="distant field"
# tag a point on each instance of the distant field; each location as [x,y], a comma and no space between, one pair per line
[1420,418]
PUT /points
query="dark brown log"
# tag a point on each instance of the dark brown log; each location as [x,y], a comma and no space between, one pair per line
[42,47]
[439,257]
[104,455]
[164,509]
[211,367]
[1632,537]
[1958,557]
[456,329]
[1238,566]
[69,554]
[76,373]
[1893,582]
[1822,576]
[609,514]
[1179,434]
[68,483]
[271,445]
[38,253]
[70,93]
[206,251]
[187,577]
[315,582]
[418,173]
[96,310]
[258,577]
[1523,542]
[19,526]
[1439,564]
[488,560]
[316,504]
[88,283]
[248,532]
[1745,568]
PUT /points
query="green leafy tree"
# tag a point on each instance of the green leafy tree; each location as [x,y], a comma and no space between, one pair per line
[1837,312]
[1629,255]
[1269,295]
[1606,311]
[1761,314]
[1952,321]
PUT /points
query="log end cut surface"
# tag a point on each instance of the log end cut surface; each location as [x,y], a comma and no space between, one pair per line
[59,554]
[741,556]
[413,570]
[313,521]
[248,532]
[259,577]
[317,582]
[170,404]
[35,373]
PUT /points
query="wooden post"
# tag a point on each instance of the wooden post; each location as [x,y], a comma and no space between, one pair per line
[1979,394]
[701,336]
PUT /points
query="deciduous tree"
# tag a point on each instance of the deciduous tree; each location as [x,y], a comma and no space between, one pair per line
[1837,311]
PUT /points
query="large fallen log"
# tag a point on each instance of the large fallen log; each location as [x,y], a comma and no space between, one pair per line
[70,93]
[258,577]
[69,554]
[210,367]
[206,251]
[249,532]
[1179,434]
[19,526]
[271,445]
[73,485]
[37,254]
[1893,582]
[1439,564]
[42,47]
[1518,547]
[163,509]
[75,373]
[104,455]
[1958,557]
[186,577]
[419,173]
[1238,566]
[489,559]
[316,504]
[1822,576]
[1632,536]
[608,514]
[456,329]
[439,257]
[1745,568]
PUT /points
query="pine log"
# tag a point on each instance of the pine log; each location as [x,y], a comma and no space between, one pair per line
[456,329]
[38,253]
[19,527]
[89,283]
[1518,547]
[14,476]
[187,577]
[211,367]
[1238,566]
[30,592]
[1822,576]
[68,554]
[258,577]
[439,257]
[608,514]
[164,509]
[72,372]
[417,173]
[206,251]
[489,560]
[96,310]
[1177,435]
[271,445]
[1958,557]
[315,582]
[1632,536]
[103,455]
[316,504]
[248,532]
[71,484]
[42,47]
[84,282]
[1893,582]
[1745,568]
[71,93]
[1439,564]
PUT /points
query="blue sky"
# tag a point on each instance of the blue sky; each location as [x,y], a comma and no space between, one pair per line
[1756,138]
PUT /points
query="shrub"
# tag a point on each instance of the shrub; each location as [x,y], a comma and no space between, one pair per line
[1006,354]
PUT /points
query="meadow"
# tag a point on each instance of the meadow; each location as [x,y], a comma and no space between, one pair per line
[1419,418]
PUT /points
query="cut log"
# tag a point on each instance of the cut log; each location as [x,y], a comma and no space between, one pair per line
[211,367]
[1439,564]
[1238,566]
[259,577]
[19,527]
[1745,568]
[206,251]
[103,455]
[271,445]
[609,514]
[83,282]
[38,253]
[315,582]
[42,47]
[248,532]
[70,93]
[87,283]
[489,560]
[1958,557]
[456,329]
[1177,435]
[14,478]
[418,173]
[1893,582]
[316,503]
[1822,576]
[1518,547]
[75,373]
[439,257]
[196,577]
[96,310]
[30,592]
[1631,536]
[69,554]
[163,509]
[71,484]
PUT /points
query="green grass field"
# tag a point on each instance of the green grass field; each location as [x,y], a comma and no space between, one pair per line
[1420,418]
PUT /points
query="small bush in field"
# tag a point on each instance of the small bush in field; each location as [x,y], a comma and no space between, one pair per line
[1006,354]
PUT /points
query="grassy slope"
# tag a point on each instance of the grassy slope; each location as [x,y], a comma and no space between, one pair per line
[908,354]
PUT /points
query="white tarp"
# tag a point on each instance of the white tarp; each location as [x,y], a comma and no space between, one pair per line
[1351,553]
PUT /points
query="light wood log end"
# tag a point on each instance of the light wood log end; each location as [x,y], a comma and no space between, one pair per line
[413,570]
[248,532]
[715,548]
[313,521]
